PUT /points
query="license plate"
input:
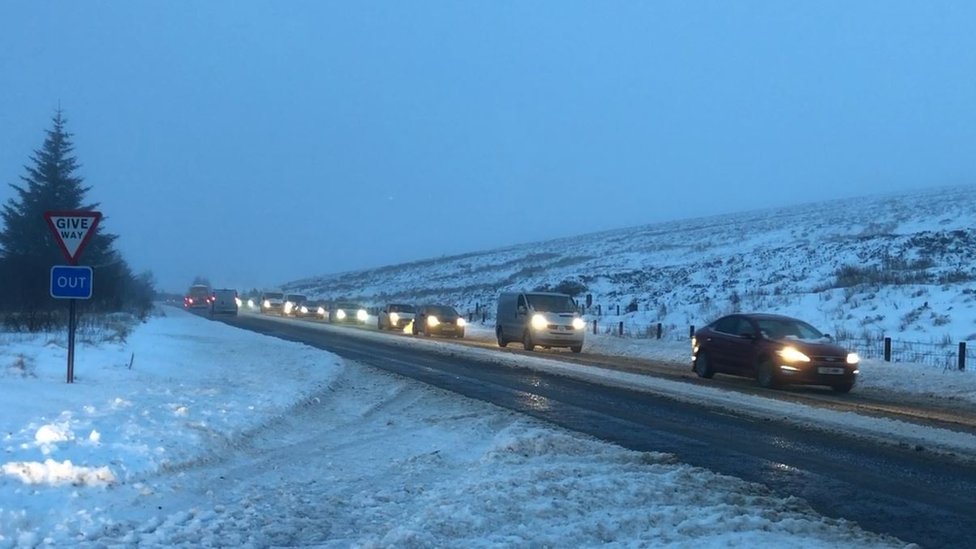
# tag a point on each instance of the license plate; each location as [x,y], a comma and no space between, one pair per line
[830,371]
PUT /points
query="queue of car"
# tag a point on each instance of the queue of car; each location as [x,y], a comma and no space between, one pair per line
[775,350]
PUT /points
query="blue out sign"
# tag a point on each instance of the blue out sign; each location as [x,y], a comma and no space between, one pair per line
[70,282]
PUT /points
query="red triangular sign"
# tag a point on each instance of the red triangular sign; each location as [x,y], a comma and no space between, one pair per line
[72,230]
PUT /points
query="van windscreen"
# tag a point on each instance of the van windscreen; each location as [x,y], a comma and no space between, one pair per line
[551,303]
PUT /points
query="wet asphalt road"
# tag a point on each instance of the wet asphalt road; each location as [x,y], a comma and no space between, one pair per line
[916,496]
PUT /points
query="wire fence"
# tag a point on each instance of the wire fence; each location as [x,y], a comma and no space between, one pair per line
[946,354]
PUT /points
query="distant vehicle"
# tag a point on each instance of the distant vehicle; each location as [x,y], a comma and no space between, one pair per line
[546,319]
[272,302]
[292,303]
[348,312]
[225,301]
[438,320]
[312,309]
[774,349]
[395,316]
[198,297]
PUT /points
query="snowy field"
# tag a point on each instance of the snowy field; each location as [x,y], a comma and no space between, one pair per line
[221,437]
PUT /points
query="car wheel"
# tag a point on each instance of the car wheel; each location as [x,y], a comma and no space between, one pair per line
[379,323]
[426,330]
[766,375]
[576,348]
[702,367]
[843,387]
[527,341]
[502,342]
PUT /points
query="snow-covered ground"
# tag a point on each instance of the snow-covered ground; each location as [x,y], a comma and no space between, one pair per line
[220,437]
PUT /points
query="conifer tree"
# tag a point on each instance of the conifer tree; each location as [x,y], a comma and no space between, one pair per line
[27,247]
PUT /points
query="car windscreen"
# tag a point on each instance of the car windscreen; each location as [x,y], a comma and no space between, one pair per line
[402,309]
[778,328]
[273,296]
[442,311]
[197,291]
[296,298]
[551,303]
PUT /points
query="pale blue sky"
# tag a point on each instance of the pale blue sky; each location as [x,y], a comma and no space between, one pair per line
[261,142]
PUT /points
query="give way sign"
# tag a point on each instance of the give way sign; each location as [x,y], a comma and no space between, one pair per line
[72,230]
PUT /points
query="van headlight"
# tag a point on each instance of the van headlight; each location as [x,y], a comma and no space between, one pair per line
[362,315]
[394,318]
[432,321]
[340,314]
[852,358]
[579,323]
[791,354]
[539,322]
[461,322]
[321,311]
[304,310]
[266,304]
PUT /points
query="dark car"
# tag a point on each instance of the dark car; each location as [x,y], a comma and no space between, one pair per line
[348,312]
[395,316]
[774,349]
[198,297]
[438,320]
[311,308]
[292,303]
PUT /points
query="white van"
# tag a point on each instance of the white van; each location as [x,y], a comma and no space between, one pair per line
[224,301]
[539,318]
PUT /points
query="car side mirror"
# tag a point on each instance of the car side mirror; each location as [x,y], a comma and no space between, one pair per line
[522,310]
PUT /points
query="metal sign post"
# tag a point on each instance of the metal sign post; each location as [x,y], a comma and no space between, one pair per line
[72,231]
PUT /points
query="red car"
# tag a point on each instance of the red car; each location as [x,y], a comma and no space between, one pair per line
[774,349]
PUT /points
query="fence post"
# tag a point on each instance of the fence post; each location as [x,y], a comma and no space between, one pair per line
[962,355]
[470,317]
[621,328]
[887,349]
[484,317]
[618,310]
[660,328]
[691,331]
[599,309]
[594,326]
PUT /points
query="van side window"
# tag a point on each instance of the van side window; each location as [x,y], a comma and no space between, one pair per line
[521,302]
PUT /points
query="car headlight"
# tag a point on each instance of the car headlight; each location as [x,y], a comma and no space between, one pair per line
[340,314]
[288,307]
[250,303]
[394,318]
[266,304]
[539,322]
[790,354]
[238,302]
[852,358]
[461,322]
[321,311]
[579,323]
[432,321]
[304,310]
[362,315]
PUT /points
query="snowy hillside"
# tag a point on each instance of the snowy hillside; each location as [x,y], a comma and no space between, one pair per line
[898,265]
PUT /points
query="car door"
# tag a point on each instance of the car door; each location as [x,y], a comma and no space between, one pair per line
[717,342]
[742,346]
